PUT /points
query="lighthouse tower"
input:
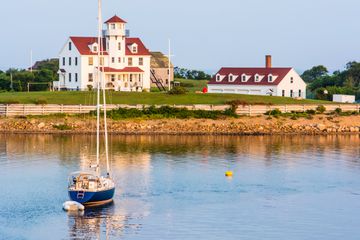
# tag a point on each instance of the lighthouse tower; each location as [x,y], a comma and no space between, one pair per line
[115,35]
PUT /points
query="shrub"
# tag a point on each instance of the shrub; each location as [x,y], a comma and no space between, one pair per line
[311,112]
[338,111]
[90,87]
[321,109]
[177,91]
[187,85]
[274,112]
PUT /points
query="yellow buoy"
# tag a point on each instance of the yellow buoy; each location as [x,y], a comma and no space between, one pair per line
[228,173]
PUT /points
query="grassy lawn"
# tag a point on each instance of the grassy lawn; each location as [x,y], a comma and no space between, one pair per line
[193,85]
[88,98]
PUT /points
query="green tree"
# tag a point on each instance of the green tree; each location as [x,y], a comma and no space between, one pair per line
[314,73]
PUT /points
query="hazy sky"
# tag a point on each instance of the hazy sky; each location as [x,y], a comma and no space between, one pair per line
[206,34]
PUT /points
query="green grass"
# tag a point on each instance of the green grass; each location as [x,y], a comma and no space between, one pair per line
[198,85]
[88,98]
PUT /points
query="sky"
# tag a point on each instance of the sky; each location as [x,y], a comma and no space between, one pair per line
[205,34]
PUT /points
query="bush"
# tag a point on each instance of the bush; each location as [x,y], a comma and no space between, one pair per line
[178,91]
[311,112]
[321,109]
[338,111]
[168,112]
[274,112]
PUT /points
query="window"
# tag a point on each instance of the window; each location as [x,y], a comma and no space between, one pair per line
[64,61]
[69,77]
[300,93]
[130,62]
[231,78]
[141,62]
[76,77]
[291,93]
[119,46]
[91,61]
[119,59]
[91,77]
[218,79]
[283,93]
[95,48]
[119,77]
[69,61]
[244,78]
[76,61]
[113,78]
[134,49]
[131,77]
[291,80]
[70,46]
[270,78]
[113,60]
[113,26]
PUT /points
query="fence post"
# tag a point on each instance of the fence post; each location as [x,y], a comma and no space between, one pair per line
[286,108]
[42,109]
[80,109]
[61,109]
[304,108]
[24,109]
[6,110]
[250,109]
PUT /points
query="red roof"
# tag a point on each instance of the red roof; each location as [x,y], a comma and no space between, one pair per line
[142,50]
[82,44]
[124,70]
[115,19]
[279,73]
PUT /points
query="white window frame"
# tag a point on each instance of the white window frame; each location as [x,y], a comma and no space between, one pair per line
[246,77]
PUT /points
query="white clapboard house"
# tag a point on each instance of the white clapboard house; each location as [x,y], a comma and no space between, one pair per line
[125,61]
[269,81]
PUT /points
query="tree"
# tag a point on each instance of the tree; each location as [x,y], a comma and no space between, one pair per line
[314,73]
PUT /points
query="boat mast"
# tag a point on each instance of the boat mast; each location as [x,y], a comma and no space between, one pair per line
[98,92]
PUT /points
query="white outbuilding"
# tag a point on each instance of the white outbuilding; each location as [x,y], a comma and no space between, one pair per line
[285,82]
[343,98]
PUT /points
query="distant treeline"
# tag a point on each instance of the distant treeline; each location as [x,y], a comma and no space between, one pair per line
[18,79]
[323,85]
[191,74]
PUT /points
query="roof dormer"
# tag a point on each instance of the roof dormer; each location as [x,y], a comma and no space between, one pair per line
[94,47]
[232,77]
[244,77]
[219,77]
[134,48]
[271,78]
[258,77]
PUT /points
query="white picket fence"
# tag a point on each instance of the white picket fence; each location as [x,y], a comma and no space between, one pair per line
[251,110]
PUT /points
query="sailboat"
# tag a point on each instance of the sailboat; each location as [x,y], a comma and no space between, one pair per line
[90,188]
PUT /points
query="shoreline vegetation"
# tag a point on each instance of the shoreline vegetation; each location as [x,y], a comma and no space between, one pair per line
[167,120]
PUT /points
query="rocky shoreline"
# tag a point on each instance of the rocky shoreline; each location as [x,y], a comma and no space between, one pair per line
[261,125]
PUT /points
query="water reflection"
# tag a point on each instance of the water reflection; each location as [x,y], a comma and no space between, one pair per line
[177,183]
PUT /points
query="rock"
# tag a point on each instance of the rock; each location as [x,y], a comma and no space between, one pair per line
[321,127]
[41,125]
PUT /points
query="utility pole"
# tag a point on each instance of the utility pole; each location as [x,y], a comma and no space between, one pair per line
[169,66]
[11,82]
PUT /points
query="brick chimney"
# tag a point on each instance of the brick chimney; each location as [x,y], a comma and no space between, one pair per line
[268,61]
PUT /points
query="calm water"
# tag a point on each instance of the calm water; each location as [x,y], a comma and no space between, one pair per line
[174,188]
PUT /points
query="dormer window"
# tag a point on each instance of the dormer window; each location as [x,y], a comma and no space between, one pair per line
[257,78]
[219,78]
[231,78]
[244,78]
[271,78]
[134,48]
[95,49]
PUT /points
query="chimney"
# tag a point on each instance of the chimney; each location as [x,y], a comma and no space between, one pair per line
[268,61]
